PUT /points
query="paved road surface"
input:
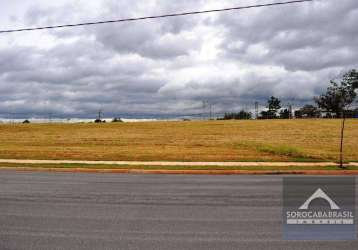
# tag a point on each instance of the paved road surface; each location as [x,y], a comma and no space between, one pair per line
[108,211]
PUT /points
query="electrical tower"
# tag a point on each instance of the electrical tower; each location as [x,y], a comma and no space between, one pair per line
[290,116]
[100,115]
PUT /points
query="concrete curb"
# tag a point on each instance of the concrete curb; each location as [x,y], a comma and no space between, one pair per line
[178,163]
[190,172]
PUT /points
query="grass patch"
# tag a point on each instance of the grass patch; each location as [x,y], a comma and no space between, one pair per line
[284,150]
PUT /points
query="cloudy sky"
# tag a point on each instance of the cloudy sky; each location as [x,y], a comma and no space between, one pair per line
[170,66]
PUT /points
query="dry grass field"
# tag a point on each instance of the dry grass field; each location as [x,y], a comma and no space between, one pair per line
[262,140]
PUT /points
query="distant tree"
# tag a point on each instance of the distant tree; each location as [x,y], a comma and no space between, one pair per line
[328,115]
[285,114]
[117,119]
[352,78]
[298,114]
[242,115]
[273,105]
[26,121]
[265,115]
[339,97]
[228,116]
[352,113]
[308,111]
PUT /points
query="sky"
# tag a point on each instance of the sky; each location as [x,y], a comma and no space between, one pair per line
[171,66]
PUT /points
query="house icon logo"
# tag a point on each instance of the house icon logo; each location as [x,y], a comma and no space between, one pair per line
[319,194]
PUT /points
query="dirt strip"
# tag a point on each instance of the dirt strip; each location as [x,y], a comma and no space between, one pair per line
[191,172]
[179,163]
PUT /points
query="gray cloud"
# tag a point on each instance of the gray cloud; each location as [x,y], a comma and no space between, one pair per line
[309,38]
[169,66]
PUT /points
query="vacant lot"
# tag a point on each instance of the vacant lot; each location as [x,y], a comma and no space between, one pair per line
[271,140]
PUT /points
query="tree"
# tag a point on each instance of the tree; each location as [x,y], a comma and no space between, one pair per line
[339,97]
[273,105]
[117,119]
[352,78]
[242,115]
[285,114]
[308,111]
[265,115]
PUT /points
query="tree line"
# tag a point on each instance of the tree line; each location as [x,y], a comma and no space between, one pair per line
[334,103]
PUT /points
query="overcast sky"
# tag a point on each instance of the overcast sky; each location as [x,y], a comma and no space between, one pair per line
[169,66]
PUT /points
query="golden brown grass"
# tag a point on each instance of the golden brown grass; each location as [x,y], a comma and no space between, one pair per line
[262,140]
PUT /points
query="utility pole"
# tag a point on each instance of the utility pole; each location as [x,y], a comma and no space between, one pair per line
[290,116]
[211,111]
[256,110]
[12,117]
[100,115]
[207,104]
[204,107]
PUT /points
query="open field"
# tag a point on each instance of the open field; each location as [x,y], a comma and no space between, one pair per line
[262,140]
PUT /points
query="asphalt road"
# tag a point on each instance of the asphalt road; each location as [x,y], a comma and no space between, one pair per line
[116,211]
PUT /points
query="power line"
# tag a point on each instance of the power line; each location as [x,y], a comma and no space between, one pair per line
[154,17]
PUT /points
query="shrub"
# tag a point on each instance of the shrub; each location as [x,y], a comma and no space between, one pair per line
[117,119]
